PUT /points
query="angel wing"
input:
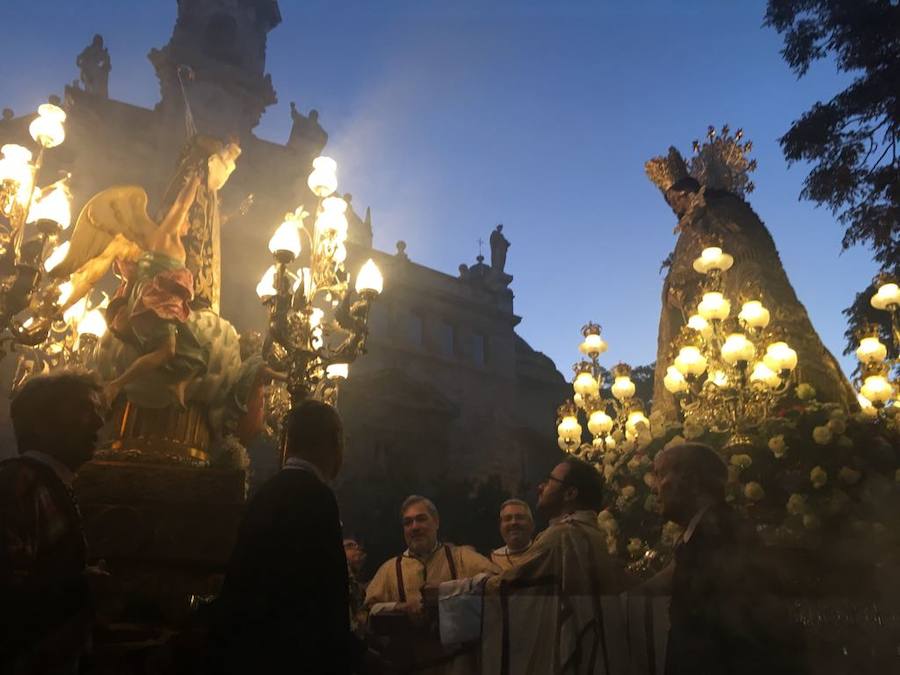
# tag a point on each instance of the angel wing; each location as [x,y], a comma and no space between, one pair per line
[119,210]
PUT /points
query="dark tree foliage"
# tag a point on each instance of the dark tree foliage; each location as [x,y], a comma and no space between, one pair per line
[850,140]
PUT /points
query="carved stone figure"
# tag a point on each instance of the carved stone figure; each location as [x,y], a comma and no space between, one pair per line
[306,132]
[95,66]
[499,246]
[707,197]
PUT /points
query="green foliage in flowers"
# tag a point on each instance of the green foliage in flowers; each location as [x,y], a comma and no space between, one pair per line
[813,476]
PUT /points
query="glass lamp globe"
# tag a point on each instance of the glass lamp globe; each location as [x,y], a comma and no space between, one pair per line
[754,314]
[266,286]
[737,348]
[674,381]
[93,323]
[623,388]
[699,324]
[47,128]
[323,179]
[714,306]
[337,371]
[15,167]
[593,345]
[369,279]
[871,350]
[57,256]
[713,258]
[569,428]
[635,421]
[877,389]
[55,205]
[286,240]
[779,356]
[599,423]
[866,406]
[765,375]
[888,295]
[718,378]
[333,217]
[690,361]
[585,384]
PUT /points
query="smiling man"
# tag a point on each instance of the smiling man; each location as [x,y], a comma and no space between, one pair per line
[394,596]
[516,529]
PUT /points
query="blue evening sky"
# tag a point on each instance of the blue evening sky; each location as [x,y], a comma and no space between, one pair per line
[450,117]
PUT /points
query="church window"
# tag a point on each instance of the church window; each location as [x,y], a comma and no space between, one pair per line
[447,339]
[415,329]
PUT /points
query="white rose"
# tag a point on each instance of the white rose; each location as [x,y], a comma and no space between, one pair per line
[822,435]
[778,446]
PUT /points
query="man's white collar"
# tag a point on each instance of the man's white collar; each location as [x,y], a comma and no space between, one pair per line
[695,521]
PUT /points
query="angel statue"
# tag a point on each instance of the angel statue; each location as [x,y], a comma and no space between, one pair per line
[152,310]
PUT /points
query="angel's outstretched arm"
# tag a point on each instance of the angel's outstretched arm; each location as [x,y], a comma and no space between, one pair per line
[84,278]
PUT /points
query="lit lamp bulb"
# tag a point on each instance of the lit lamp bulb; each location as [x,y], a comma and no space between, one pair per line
[714,306]
[593,345]
[871,350]
[266,287]
[56,256]
[65,292]
[718,378]
[765,375]
[15,167]
[93,323]
[690,361]
[285,243]
[578,400]
[699,324]
[674,381]
[623,388]
[636,419]
[779,356]
[599,423]
[877,389]
[754,314]
[55,205]
[585,384]
[569,428]
[75,312]
[712,258]
[323,179]
[737,349]
[333,217]
[369,280]
[337,371]
[47,128]
[866,406]
[888,294]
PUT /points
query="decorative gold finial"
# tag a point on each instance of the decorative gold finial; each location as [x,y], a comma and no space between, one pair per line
[719,163]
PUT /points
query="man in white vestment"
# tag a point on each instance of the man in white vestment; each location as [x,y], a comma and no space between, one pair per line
[517,530]
[394,596]
[558,611]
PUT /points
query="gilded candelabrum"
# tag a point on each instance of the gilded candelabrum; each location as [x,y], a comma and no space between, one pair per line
[729,371]
[877,382]
[33,221]
[621,417]
[318,313]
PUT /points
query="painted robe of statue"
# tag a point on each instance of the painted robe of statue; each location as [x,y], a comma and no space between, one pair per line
[708,199]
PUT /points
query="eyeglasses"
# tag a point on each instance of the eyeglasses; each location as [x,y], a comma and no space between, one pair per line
[551,477]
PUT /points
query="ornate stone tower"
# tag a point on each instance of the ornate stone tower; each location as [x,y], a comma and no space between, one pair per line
[222,43]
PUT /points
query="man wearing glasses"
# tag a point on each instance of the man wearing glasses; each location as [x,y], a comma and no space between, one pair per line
[558,610]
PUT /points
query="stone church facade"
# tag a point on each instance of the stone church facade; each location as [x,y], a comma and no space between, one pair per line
[448,388]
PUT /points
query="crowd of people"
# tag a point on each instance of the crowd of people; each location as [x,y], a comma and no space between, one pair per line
[294,600]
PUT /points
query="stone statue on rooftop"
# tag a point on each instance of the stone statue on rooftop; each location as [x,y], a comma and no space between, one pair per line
[499,246]
[95,66]
[306,132]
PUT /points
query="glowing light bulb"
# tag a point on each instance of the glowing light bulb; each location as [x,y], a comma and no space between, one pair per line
[93,323]
[714,306]
[266,286]
[674,381]
[569,428]
[690,361]
[286,238]
[754,314]
[779,356]
[323,179]
[337,371]
[585,384]
[623,388]
[888,295]
[737,348]
[369,279]
[47,128]
[592,345]
[56,256]
[599,423]
[871,350]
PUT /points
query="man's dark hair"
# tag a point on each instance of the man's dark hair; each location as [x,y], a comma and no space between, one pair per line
[36,402]
[314,431]
[702,463]
[588,481]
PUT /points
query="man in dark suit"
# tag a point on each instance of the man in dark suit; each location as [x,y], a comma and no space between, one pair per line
[726,617]
[284,605]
